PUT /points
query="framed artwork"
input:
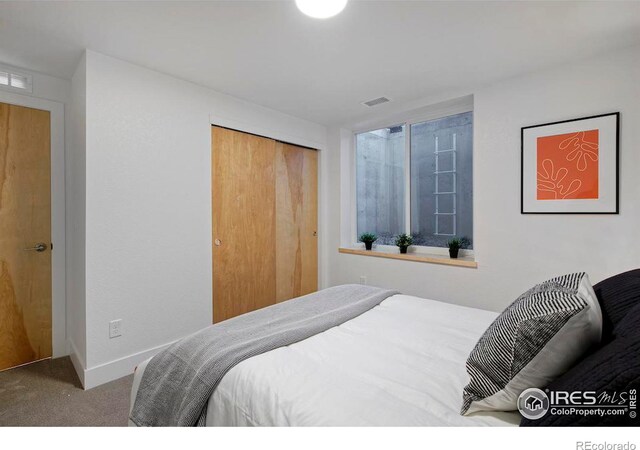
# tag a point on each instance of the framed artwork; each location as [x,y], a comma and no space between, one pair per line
[571,167]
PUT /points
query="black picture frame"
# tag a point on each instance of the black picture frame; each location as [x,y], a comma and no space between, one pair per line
[617,166]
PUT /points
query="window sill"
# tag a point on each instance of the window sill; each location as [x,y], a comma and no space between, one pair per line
[465,261]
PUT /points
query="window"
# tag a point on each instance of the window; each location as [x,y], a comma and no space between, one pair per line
[441,180]
[440,197]
[380,182]
[14,80]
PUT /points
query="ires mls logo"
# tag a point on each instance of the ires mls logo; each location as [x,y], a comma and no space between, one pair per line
[534,403]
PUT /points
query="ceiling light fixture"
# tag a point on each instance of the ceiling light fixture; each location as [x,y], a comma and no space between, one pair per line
[321,9]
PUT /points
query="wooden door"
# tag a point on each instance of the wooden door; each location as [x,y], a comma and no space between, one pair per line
[243,203]
[25,221]
[296,221]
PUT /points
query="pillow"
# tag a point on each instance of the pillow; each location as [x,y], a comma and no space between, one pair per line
[536,339]
[617,295]
[614,367]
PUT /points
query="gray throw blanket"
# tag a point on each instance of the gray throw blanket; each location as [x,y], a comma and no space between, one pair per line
[177,383]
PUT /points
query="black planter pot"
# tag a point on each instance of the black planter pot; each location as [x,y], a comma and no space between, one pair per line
[368,245]
[403,249]
[453,252]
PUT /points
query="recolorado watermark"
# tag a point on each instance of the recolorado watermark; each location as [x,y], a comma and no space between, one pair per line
[589,445]
[535,403]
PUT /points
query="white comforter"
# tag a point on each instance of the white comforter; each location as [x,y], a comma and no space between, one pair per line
[400,364]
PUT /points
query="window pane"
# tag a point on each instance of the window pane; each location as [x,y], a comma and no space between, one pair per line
[441,180]
[380,182]
[19,81]
[4,78]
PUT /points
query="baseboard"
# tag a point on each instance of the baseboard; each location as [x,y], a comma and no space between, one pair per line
[118,368]
[77,360]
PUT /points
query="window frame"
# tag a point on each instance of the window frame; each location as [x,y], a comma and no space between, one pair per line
[408,119]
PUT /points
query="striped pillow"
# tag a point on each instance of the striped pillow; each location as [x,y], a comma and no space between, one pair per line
[535,340]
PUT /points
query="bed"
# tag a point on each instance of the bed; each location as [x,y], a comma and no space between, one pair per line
[402,363]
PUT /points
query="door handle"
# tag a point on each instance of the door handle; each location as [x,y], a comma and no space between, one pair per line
[39,247]
[217,242]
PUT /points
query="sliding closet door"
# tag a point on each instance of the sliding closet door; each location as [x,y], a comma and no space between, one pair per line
[296,221]
[244,203]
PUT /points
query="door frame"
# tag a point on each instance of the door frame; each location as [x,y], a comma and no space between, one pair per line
[58,212]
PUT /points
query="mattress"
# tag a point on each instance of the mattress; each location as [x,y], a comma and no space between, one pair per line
[400,364]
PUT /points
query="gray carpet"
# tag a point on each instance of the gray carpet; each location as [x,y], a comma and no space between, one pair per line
[49,393]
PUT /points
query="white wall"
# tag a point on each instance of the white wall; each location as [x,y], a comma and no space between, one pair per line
[516,251]
[148,206]
[76,202]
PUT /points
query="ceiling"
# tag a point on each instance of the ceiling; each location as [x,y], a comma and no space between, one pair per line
[268,53]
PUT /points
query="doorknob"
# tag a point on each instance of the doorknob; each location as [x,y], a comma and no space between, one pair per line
[217,242]
[39,247]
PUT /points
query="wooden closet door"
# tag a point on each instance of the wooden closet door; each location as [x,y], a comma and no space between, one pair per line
[244,201]
[296,221]
[25,235]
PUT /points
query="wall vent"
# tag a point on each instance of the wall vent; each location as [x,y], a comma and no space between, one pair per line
[15,80]
[376,101]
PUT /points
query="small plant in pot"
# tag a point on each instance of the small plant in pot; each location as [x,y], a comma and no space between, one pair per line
[456,244]
[368,239]
[404,241]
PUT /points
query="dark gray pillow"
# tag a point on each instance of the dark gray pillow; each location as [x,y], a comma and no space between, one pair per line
[617,295]
[614,367]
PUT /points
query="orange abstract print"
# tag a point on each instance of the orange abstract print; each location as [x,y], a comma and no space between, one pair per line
[568,166]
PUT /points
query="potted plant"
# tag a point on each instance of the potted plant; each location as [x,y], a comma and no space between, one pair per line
[368,239]
[456,244]
[404,241]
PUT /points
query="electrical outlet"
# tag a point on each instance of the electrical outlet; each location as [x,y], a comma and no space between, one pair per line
[363,279]
[115,328]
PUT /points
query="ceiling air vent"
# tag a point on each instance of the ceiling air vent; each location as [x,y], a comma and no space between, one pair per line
[376,101]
